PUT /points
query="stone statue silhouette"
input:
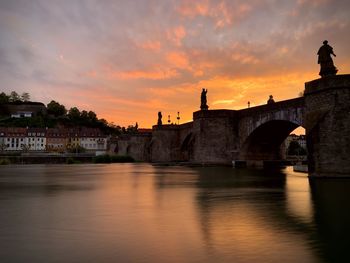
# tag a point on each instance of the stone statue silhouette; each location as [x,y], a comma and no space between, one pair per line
[204,105]
[270,100]
[325,60]
[159,123]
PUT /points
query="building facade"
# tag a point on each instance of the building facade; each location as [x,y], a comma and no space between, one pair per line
[36,138]
[92,140]
[56,140]
[52,139]
[14,139]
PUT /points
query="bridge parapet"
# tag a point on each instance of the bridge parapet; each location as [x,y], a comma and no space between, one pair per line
[277,106]
[214,114]
[327,83]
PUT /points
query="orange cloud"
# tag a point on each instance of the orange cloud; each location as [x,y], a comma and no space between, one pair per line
[224,102]
[90,74]
[196,66]
[228,92]
[220,12]
[176,35]
[314,3]
[150,45]
[193,8]
[155,74]
[222,15]
[234,93]
[245,58]
[178,59]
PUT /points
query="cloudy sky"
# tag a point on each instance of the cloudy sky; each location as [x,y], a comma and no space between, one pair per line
[127,60]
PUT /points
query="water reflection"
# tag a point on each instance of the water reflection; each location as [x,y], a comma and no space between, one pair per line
[21,181]
[299,203]
[331,199]
[252,212]
[144,213]
[246,212]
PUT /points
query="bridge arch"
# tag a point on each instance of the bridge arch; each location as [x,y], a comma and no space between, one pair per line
[155,147]
[186,148]
[128,149]
[264,142]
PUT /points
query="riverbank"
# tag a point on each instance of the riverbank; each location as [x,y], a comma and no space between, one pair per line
[60,159]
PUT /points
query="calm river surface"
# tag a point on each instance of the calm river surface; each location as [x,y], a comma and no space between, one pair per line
[143,213]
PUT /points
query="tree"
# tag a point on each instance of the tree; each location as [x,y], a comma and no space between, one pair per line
[84,115]
[25,96]
[4,98]
[76,149]
[92,116]
[114,129]
[3,147]
[14,96]
[132,129]
[56,109]
[25,147]
[74,114]
[294,148]
[103,121]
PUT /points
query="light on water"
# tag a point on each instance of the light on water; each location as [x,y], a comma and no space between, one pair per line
[145,213]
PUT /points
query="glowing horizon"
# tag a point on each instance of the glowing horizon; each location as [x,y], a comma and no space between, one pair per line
[127,60]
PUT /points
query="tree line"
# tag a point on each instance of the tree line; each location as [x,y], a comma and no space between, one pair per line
[13,97]
[58,115]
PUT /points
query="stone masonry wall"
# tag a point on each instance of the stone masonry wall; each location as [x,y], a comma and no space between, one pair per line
[165,145]
[136,146]
[327,121]
[216,136]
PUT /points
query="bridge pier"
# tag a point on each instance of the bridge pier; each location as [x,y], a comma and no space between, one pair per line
[327,124]
[216,136]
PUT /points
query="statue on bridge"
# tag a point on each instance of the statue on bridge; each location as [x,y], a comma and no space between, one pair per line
[325,60]
[270,100]
[204,105]
[159,123]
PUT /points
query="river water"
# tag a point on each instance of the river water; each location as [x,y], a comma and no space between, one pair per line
[145,213]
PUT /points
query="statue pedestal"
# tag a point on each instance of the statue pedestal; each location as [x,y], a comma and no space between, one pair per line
[204,107]
[327,125]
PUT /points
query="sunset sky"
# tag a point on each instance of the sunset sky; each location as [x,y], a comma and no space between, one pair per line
[127,60]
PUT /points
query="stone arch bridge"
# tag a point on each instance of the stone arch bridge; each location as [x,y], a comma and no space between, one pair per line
[255,134]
